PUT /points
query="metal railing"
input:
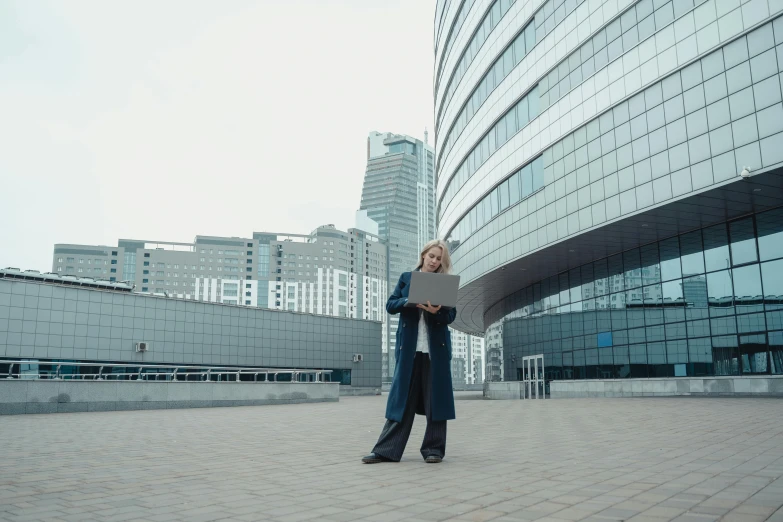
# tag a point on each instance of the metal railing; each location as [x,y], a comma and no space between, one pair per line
[55,370]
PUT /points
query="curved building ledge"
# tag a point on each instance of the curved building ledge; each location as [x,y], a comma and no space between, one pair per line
[482,300]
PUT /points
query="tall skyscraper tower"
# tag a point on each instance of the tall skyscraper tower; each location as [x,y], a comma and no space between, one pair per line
[399,195]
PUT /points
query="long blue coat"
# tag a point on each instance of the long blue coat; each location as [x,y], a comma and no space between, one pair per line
[442,400]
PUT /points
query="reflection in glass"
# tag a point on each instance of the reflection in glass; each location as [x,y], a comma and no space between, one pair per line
[723,325]
[675,331]
[670,259]
[677,352]
[694,291]
[575,287]
[700,356]
[634,308]
[673,301]
[636,335]
[691,253]
[754,353]
[565,295]
[586,276]
[656,360]
[632,315]
[770,231]
[772,279]
[776,352]
[616,277]
[654,333]
[601,274]
[698,328]
[651,269]
[716,248]
[579,364]
[720,294]
[725,355]
[638,356]
[743,242]
[747,289]
[749,323]
[632,269]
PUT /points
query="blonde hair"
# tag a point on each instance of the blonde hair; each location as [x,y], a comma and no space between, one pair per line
[445,258]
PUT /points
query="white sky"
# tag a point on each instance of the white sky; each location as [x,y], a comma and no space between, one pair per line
[161,120]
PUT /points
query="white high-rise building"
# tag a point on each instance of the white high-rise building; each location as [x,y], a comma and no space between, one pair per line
[469,351]
[326,272]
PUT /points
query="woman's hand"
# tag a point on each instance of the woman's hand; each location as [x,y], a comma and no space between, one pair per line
[429,308]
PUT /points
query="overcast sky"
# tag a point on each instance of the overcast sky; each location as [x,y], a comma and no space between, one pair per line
[162,120]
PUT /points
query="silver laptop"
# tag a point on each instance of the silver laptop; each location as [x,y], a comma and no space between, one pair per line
[438,289]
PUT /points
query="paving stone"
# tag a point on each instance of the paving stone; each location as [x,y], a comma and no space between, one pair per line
[642,460]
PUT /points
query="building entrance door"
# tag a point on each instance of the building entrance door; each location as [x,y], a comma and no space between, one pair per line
[533,377]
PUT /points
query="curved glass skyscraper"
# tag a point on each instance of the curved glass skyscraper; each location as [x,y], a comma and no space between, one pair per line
[609,178]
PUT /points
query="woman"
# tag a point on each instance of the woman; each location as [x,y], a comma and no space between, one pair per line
[422,378]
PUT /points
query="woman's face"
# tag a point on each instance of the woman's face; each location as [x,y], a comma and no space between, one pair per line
[431,261]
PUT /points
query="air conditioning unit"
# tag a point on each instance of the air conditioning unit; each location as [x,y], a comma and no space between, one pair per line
[357,357]
[142,347]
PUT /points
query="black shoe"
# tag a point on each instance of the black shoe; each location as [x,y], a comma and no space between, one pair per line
[374,458]
[433,459]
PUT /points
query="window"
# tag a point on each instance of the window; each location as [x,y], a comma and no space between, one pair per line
[743,241]
[81,261]
[146,263]
[114,253]
[146,254]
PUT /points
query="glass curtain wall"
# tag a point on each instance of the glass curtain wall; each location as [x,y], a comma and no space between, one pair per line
[708,302]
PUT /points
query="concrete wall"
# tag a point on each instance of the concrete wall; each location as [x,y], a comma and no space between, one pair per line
[34,396]
[456,387]
[50,322]
[768,385]
[503,390]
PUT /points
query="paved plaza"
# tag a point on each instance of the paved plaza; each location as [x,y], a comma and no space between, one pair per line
[645,459]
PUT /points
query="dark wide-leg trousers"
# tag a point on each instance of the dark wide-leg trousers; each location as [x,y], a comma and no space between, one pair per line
[394,437]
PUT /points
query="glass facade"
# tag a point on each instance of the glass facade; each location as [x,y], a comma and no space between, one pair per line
[523,183]
[568,123]
[708,302]
[49,322]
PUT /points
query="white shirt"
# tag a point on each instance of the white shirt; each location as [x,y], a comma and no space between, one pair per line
[422,341]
